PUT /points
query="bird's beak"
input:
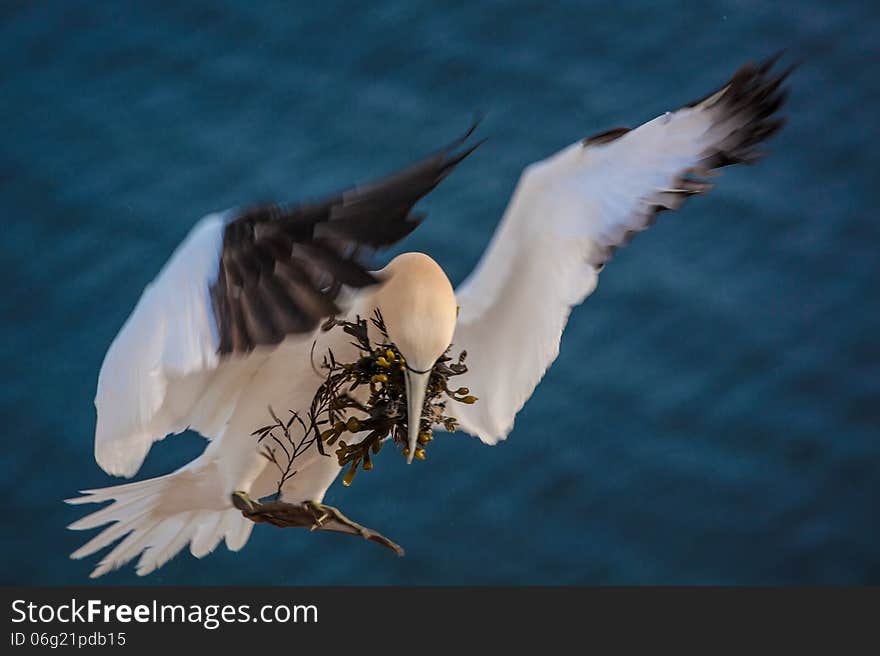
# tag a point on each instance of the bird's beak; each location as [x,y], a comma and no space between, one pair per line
[416,384]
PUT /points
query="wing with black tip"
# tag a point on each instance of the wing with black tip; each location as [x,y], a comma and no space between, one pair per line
[567,216]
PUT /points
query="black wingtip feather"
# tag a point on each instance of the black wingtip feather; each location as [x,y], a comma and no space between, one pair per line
[748,105]
[750,101]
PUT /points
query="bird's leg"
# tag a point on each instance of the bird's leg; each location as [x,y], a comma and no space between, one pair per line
[324,512]
[242,500]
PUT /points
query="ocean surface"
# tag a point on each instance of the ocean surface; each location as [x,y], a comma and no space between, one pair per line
[714,415]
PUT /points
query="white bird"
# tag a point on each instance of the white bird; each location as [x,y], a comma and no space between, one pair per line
[229,325]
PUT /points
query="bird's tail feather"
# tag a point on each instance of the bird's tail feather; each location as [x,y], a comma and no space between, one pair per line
[159,517]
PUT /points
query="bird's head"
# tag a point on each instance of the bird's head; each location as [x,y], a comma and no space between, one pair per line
[418,306]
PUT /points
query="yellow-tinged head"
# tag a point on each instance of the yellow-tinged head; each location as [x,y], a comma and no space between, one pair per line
[418,306]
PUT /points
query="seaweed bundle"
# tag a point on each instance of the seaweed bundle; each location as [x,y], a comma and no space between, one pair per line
[336,411]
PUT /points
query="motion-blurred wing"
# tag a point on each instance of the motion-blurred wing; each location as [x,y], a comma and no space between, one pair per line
[240,281]
[281,270]
[566,217]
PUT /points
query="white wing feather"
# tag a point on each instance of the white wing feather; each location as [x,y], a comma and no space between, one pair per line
[565,218]
[170,336]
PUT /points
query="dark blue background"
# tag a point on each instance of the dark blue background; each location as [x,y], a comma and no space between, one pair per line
[714,415]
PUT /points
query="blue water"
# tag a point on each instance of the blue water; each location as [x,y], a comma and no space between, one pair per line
[714,415]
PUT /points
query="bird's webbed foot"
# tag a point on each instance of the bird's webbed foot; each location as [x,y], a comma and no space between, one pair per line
[323,512]
[311,514]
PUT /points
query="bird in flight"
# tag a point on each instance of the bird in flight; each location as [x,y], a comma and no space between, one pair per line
[230,324]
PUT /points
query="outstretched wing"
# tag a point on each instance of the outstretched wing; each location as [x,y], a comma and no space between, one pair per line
[566,217]
[239,281]
[281,270]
